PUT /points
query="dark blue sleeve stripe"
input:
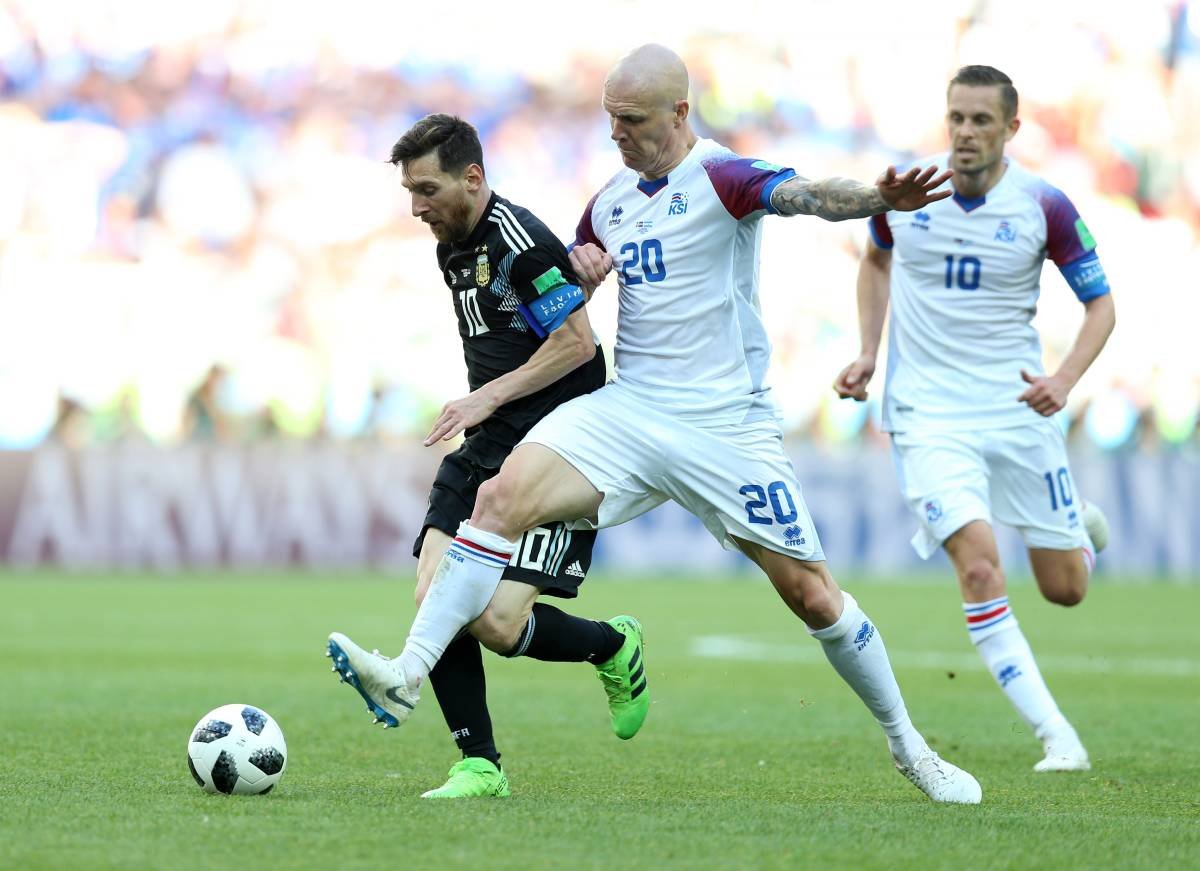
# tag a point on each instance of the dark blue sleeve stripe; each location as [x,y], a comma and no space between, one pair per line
[1086,277]
[769,188]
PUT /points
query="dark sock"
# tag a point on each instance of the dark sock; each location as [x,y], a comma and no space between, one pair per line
[461,691]
[556,636]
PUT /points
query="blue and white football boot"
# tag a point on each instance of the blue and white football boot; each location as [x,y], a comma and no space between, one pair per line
[379,680]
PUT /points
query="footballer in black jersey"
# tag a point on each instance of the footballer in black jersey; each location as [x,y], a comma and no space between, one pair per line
[512,286]
[528,348]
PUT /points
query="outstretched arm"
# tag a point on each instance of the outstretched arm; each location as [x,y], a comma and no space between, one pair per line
[836,199]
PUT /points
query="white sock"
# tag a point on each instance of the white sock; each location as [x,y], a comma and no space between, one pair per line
[855,649]
[1089,559]
[463,584]
[995,633]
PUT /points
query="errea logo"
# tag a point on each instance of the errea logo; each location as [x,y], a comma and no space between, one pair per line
[615,220]
[1008,674]
[865,633]
[794,537]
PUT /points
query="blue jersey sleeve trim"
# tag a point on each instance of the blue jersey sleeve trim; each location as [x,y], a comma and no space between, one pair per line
[1086,277]
[879,243]
[550,310]
[769,188]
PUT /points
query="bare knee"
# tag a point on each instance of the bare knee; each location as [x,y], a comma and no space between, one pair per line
[495,507]
[498,631]
[981,580]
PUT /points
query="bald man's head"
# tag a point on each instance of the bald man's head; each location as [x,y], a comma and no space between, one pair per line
[653,71]
[645,96]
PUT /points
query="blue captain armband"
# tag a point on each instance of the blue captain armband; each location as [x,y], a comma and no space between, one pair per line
[548,312]
[1086,277]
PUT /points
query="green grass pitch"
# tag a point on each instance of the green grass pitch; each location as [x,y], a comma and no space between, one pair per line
[754,754]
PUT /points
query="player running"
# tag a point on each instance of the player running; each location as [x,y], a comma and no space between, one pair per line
[689,418]
[965,399]
[528,348]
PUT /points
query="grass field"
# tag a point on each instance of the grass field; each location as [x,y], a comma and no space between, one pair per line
[754,754]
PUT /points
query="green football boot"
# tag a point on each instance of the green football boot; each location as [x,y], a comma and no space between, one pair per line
[624,679]
[472,777]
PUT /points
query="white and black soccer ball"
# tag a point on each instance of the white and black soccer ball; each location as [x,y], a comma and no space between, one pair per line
[237,750]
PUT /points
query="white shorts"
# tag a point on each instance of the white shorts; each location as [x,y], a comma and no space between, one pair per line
[1017,475]
[736,478]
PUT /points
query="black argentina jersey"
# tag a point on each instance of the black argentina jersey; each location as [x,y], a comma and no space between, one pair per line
[512,286]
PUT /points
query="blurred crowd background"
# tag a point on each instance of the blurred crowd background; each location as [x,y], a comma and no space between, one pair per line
[200,237]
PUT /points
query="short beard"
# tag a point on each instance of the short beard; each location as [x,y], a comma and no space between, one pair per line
[458,222]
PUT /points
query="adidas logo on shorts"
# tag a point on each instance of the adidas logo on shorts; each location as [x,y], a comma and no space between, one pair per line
[575,570]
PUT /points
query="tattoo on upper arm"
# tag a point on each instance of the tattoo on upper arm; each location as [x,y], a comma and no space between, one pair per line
[834,199]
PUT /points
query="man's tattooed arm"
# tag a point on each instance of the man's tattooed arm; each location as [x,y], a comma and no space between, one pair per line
[834,199]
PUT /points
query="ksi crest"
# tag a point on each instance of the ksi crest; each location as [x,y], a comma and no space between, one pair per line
[483,272]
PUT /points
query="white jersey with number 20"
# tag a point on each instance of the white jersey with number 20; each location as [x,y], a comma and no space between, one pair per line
[690,338]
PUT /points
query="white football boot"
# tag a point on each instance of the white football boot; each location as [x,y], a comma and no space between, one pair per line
[1096,525]
[1064,750]
[379,680]
[941,781]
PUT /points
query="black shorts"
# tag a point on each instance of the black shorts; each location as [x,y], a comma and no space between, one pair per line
[552,557]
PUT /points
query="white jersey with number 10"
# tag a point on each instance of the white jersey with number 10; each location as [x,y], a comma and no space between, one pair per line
[965,282]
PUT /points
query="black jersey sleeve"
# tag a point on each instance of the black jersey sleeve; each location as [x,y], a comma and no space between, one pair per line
[548,289]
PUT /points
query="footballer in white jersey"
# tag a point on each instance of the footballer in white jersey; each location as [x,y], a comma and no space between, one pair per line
[966,400]
[690,335]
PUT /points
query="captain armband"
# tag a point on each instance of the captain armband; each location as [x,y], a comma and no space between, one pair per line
[555,302]
[1086,277]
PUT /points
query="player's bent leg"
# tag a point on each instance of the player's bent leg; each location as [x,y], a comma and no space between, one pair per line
[515,624]
[461,587]
[1062,575]
[535,485]
[855,649]
[500,626]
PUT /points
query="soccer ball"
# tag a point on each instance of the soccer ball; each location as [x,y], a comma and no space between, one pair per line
[237,749]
